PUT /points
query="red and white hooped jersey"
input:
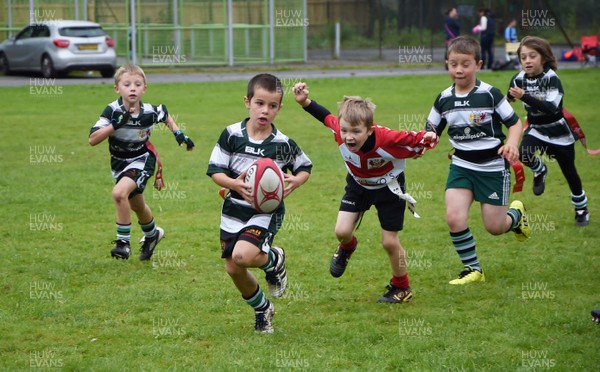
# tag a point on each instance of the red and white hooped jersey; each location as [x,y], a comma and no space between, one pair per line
[377,167]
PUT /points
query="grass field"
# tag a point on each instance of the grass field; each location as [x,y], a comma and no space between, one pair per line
[66,304]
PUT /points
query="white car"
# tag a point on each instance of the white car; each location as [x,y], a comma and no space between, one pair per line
[56,47]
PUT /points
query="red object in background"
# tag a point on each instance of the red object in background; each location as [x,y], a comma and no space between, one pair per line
[590,48]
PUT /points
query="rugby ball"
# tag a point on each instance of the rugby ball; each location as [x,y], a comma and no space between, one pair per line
[266,185]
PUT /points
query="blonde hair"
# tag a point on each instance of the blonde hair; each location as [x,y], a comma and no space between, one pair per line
[355,111]
[129,69]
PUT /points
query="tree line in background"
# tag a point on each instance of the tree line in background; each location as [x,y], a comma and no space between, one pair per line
[390,22]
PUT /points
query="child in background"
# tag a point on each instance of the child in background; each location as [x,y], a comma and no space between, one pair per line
[473,111]
[375,159]
[246,234]
[541,91]
[510,32]
[127,123]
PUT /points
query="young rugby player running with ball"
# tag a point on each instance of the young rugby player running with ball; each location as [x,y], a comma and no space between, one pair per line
[246,234]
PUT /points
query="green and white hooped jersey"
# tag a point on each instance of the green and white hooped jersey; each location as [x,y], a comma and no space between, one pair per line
[130,140]
[546,122]
[127,145]
[234,153]
[474,123]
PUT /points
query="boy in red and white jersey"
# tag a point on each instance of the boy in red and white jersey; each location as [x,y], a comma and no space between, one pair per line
[375,159]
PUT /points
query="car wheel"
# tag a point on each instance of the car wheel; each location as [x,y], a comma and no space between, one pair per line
[107,73]
[4,68]
[48,70]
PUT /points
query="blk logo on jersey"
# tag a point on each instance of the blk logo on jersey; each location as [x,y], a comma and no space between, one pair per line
[254,151]
[477,117]
[375,163]
[461,103]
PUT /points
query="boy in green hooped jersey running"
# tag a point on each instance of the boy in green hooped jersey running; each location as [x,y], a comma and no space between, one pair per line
[540,89]
[474,112]
[127,123]
[247,235]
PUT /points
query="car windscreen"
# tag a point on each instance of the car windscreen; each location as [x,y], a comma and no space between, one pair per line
[81,31]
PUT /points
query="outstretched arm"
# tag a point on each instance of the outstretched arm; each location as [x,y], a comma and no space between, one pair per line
[301,94]
[180,137]
[312,107]
[430,140]
[413,144]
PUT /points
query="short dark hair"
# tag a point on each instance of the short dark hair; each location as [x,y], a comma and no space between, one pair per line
[268,82]
[465,45]
[542,47]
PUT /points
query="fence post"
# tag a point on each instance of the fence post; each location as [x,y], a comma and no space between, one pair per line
[133,33]
[337,41]
[247,41]
[146,42]
[176,29]
[264,43]
[271,31]
[192,42]
[9,18]
[31,12]
[230,32]
[305,36]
